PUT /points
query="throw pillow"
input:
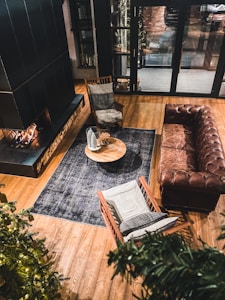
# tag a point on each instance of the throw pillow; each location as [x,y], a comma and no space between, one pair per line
[101,88]
[141,221]
[102,96]
[159,226]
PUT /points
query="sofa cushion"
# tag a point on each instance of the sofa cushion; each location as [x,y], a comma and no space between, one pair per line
[177,159]
[108,116]
[178,136]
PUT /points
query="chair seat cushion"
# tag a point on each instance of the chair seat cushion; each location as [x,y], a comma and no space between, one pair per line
[178,136]
[108,116]
[177,159]
[141,221]
[159,226]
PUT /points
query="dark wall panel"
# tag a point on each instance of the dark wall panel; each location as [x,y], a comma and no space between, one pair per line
[34,61]
[58,74]
[4,82]
[37,28]
[9,49]
[9,116]
[38,93]
[25,106]
[60,26]
[103,36]
[53,22]
[19,20]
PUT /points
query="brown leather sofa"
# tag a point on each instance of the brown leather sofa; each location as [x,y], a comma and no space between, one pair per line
[192,163]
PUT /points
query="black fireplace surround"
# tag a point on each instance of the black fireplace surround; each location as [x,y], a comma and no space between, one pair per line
[35,68]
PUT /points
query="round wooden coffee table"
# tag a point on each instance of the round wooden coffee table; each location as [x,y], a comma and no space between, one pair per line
[115,150]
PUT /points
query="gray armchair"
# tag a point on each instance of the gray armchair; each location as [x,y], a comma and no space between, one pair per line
[105,110]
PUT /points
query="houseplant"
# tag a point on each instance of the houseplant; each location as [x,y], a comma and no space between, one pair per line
[25,266]
[171,269]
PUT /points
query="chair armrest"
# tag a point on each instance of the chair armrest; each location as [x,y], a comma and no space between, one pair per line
[177,228]
[109,219]
[118,106]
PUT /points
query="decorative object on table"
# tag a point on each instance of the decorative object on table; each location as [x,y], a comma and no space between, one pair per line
[104,137]
[26,267]
[92,134]
[106,111]
[71,193]
[97,137]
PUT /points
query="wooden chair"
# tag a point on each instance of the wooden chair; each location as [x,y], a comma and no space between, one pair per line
[106,111]
[112,220]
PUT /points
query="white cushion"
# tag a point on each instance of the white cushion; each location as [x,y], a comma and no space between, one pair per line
[101,88]
[101,96]
[108,116]
[127,200]
[141,221]
[156,227]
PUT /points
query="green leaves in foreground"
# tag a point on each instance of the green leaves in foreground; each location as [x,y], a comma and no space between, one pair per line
[171,269]
[25,268]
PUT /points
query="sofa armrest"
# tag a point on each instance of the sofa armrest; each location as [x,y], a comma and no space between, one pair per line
[181,113]
[193,181]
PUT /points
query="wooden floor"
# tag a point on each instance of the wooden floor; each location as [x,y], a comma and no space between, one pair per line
[80,250]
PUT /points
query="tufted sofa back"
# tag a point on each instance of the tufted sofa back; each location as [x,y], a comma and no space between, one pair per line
[209,150]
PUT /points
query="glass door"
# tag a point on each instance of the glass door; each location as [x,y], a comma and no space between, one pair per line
[157,30]
[222,88]
[176,46]
[120,32]
[201,45]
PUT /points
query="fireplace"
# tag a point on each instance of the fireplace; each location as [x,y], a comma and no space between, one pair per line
[29,137]
[35,77]
[31,159]
[21,138]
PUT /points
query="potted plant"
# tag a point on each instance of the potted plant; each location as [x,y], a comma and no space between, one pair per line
[25,266]
[171,269]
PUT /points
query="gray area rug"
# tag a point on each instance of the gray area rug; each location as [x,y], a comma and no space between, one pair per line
[71,191]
